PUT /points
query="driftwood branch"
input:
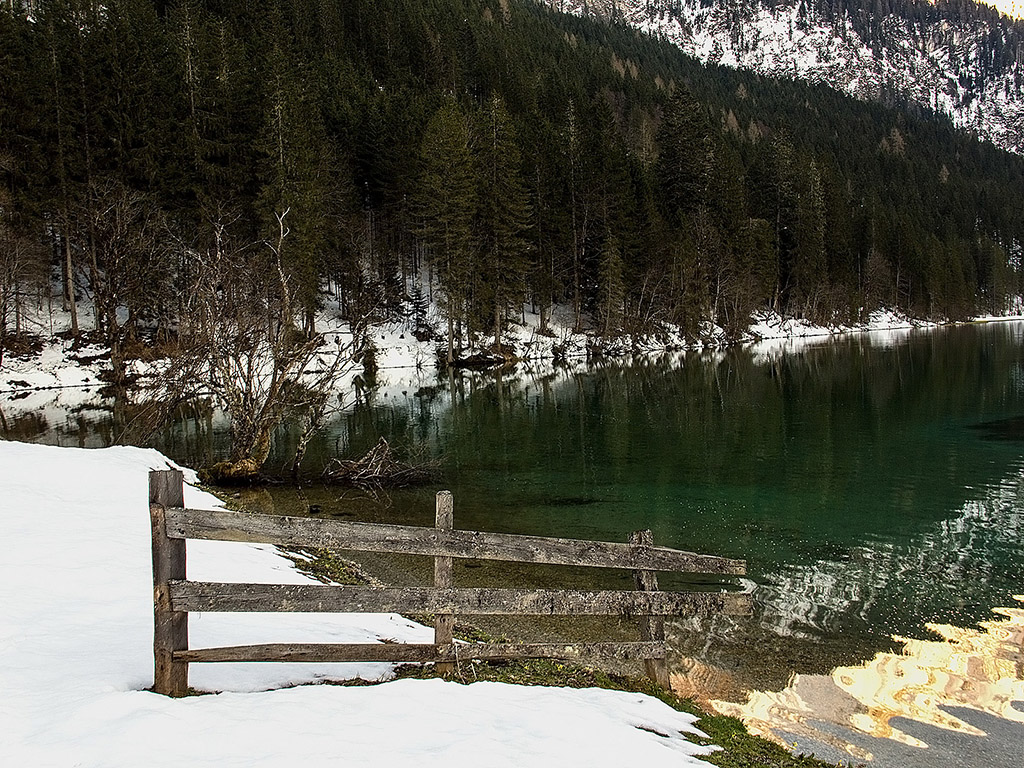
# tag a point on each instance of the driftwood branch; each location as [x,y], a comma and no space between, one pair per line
[379,468]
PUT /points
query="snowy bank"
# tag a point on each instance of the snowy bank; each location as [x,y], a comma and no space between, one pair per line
[404,364]
[76,640]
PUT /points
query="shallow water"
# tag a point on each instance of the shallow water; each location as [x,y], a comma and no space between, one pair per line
[875,483]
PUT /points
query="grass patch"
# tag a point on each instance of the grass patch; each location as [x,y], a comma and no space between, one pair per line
[324,566]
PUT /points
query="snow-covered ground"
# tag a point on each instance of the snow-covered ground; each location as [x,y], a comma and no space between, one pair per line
[404,363]
[76,656]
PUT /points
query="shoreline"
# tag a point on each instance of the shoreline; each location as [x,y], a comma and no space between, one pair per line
[398,354]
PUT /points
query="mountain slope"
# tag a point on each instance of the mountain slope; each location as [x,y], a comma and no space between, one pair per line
[595,167]
[960,59]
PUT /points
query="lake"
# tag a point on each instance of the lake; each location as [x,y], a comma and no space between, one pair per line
[874,483]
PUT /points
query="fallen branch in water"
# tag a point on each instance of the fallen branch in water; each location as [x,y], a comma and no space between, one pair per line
[380,469]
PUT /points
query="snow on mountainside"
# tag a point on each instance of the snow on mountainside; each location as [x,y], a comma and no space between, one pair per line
[965,61]
[1013,8]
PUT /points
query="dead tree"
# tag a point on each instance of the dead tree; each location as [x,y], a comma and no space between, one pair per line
[243,345]
[23,271]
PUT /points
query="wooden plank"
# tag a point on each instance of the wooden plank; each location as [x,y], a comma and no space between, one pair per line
[444,577]
[652,628]
[227,525]
[408,653]
[320,598]
[170,625]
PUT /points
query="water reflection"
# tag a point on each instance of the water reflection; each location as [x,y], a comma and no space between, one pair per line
[926,682]
[978,669]
[949,569]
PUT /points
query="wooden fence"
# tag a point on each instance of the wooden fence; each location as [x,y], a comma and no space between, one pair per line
[174,596]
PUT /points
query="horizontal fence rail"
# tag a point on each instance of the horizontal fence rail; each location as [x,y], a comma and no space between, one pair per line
[410,652]
[174,597]
[226,525]
[198,596]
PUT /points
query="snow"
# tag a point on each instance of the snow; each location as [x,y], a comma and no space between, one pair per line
[934,64]
[771,335]
[59,390]
[1012,8]
[403,363]
[56,367]
[76,640]
[63,380]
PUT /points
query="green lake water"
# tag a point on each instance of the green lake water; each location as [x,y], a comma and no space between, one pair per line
[873,483]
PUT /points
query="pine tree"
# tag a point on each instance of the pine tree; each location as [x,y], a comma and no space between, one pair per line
[296,171]
[445,203]
[581,206]
[809,277]
[684,166]
[503,216]
[611,286]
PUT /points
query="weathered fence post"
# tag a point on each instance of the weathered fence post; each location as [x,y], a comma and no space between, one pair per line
[444,624]
[652,628]
[170,628]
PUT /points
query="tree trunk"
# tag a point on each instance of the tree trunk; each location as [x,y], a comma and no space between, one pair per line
[3,329]
[94,280]
[69,287]
[300,453]
[249,452]
[451,339]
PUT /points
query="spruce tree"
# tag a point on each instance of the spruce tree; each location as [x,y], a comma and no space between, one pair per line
[445,203]
[296,160]
[503,216]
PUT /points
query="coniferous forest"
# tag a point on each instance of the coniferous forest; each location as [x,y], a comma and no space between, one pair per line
[477,153]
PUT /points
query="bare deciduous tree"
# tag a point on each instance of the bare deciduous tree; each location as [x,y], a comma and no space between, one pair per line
[23,270]
[133,275]
[242,345]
